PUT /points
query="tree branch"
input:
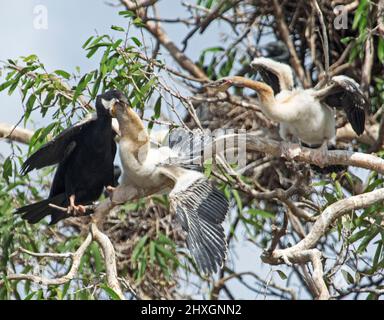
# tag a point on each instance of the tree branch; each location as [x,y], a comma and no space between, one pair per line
[159,33]
[13,133]
[285,36]
[303,251]
[109,259]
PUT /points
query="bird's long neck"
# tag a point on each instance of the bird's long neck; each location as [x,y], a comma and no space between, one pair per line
[133,131]
[322,93]
[266,96]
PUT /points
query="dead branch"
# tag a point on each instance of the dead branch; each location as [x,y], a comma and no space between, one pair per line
[109,258]
[13,133]
[75,257]
[303,251]
[159,33]
[285,36]
[307,155]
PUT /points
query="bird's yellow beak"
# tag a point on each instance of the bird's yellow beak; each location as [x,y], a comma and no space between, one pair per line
[115,106]
[112,111]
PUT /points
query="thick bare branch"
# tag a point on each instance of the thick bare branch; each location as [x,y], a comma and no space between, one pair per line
[76,259]
[307,155]
[303,251]
[17,134]
[109,258]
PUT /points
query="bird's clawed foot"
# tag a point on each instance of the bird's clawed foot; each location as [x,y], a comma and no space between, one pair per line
[321,155]
[290,150]
[75,210]
[110,191]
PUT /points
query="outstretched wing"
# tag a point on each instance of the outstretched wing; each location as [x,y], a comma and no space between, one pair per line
[187,148]
[277,75]
[201,209]
[345,94]
[57,149]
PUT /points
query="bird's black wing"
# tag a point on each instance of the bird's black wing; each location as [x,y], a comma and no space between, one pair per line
[346,95]
[58,183]
[270,79]
[278,76]
[56,150]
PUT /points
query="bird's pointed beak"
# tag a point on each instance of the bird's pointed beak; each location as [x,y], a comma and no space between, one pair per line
[112,111]
[118,105]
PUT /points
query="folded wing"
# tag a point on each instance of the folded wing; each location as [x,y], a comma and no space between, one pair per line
[56,150]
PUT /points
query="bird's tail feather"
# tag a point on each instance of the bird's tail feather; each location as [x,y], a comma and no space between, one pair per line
[33,213]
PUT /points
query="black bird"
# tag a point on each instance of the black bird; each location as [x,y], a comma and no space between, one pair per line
[85,153]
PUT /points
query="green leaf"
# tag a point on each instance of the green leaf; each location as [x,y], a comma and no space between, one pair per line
[166,253]
[152,252]
[346,40]
[136,41]
[127,13]
[281,274]
[262,213]
[97,257]
[348,277]
[208,167]
[138,248]
[358,235]
[377,254]
[110,292]
[82,85]
[117,28]
[157,108]
[30,58]
[86,43]
[360,11]
[138,22]
[380,50]
[63,74]
[338,189]
[370,235]
[7,169]
[238,200]
[6,84]
[30,296]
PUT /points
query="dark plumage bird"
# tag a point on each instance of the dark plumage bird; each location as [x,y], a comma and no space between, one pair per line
[84,153]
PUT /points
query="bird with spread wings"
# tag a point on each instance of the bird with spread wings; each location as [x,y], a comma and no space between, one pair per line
[199,207]
[307,115]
